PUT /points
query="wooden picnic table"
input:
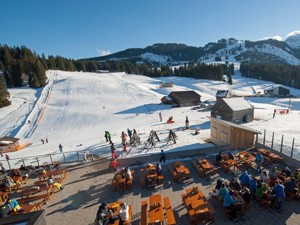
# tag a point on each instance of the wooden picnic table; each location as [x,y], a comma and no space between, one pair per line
[62,173]
[232,162]
[206,166]
[246,158]
[181,170]
[29,191]
[156,209]
[3,197]
[273,156]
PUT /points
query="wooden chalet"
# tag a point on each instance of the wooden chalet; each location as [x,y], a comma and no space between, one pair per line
[185,98]
[227,133]
[236,110]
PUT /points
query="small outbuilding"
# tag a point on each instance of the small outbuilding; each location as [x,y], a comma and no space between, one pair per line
[235,110]
[277,91]
[167,100]
[227,133]
[185,98]
[223,94]
[10,144]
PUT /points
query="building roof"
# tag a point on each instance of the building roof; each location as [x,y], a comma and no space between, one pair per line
[237,104]
[186,94]
[230,124]
[222,93]
[8,140]
[167,98]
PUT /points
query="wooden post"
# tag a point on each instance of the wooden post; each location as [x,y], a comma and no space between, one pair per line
[8,164]
[78,156]
[23,162]
[64,157]
[37,160]
[51,159]
[272,141]
[281,144]
[293,148]
[264,142]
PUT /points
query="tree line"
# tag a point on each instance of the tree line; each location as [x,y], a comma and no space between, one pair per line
[281,74]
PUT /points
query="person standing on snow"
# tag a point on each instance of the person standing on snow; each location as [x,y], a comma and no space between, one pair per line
[129,132]
[108,137]
[60,148]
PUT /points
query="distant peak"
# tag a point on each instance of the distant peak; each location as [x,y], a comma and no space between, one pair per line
[293,39]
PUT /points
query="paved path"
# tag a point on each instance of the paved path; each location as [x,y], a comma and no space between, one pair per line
[88,185]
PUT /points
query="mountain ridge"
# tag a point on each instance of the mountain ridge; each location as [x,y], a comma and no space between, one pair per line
[263,51]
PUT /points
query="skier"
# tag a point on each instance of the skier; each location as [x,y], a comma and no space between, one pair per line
[60,148]
[123,137]
[46,140]
[108,136]
[129,132]
[42,140]
[112,148]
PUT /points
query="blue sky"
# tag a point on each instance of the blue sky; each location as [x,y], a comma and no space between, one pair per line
[80,29]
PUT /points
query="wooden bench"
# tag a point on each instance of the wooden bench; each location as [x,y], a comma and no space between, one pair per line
[160,179]
[173,172]
[142,178]
[45,198]
[144,213]
[169,211]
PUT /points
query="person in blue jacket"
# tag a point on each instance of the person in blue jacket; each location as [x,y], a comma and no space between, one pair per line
[253,185]
[279,194]
[229,203]
[245,179]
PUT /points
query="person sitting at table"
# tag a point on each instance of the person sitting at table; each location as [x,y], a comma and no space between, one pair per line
[296,174]
[55,184]
[264,177]
[291,186]
[128,175]
[223,190]
[234,184]
[258,160]
[215,192]
[13,205]
[8,182]
[104,215]
[158,169]
[246,195]
[16,173]
[272,176]
[260,192]
[229,204]
[230,156]
[287,171]
[219,158]
[123,213]
[245,179]
[252,186]
[4,211]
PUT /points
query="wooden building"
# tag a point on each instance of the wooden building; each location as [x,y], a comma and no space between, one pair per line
[167,100]
[223,94]
[227,133]
[236,110]
[277,91]
[185,98]
[10,144]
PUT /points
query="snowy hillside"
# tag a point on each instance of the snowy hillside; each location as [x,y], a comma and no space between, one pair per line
[78,107]
[293,39]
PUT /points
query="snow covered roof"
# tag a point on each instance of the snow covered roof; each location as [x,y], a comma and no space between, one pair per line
[222,93]
[185,94]
[237,104]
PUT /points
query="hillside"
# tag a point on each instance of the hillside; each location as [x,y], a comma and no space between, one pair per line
[263,51]
[78,107]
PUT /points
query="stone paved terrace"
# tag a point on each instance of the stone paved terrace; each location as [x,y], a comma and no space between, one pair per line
[89,184]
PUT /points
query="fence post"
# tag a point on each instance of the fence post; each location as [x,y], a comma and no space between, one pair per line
[23,162]
[292,148]
[78,156]
[37,160]
[281,144]
[264,142]
[51,159]
[92,156]
[64,157]
[272,141]
[8,164]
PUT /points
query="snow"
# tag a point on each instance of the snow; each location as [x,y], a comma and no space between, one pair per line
[155,58]
[75,108]
[293,39]
[237,104]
